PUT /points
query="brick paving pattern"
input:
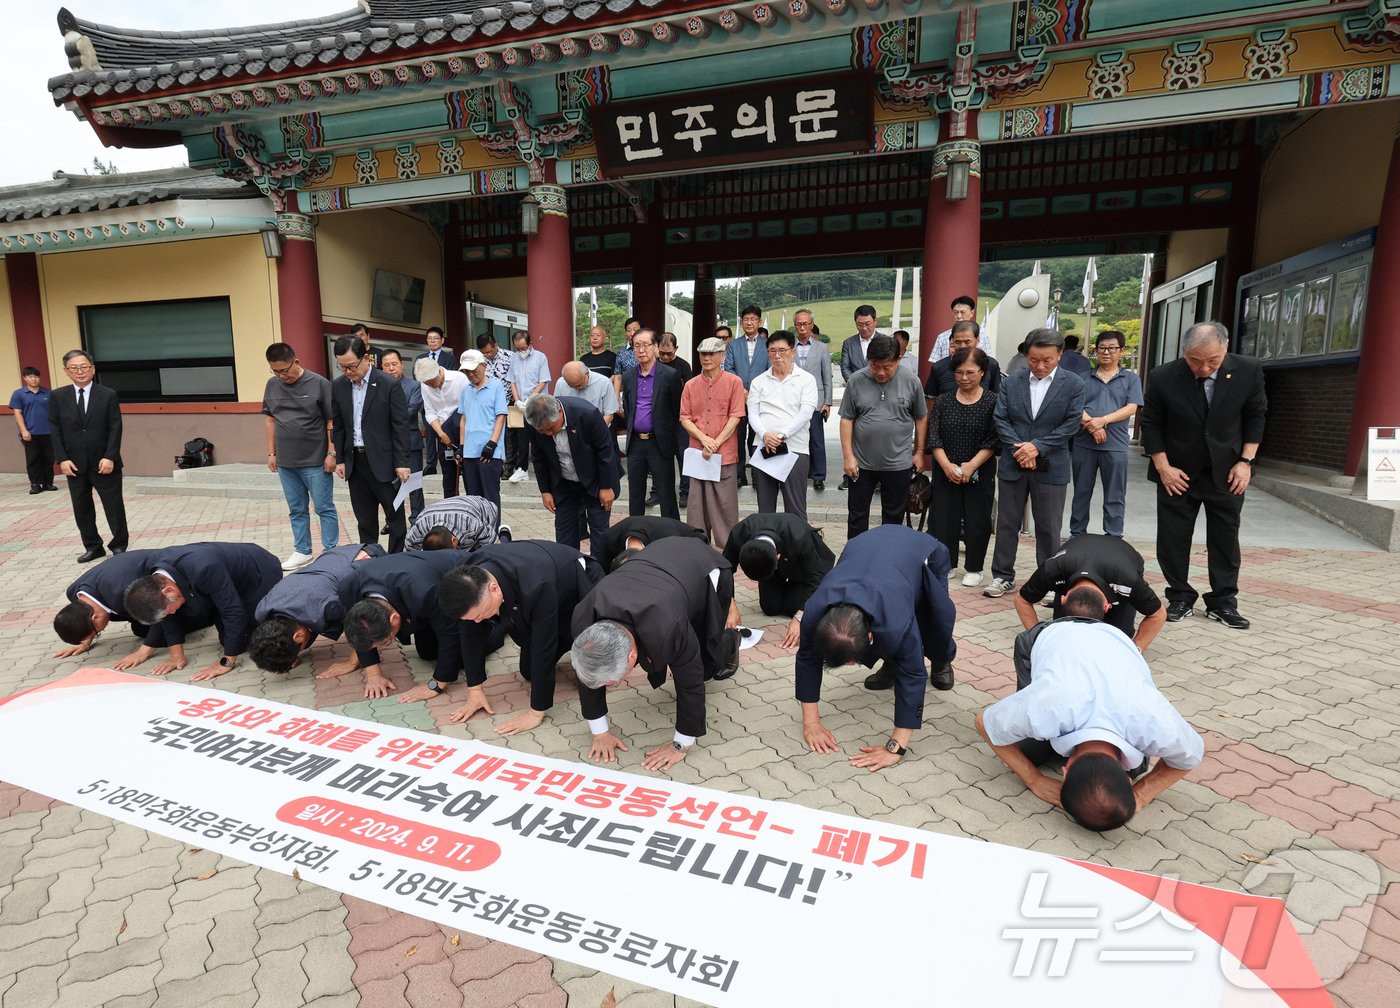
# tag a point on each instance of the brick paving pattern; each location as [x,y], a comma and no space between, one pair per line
[1302,768]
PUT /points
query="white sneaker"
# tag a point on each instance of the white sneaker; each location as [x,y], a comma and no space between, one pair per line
[296,561]
[519,476]
[972,579]
[503,533]
[998,588]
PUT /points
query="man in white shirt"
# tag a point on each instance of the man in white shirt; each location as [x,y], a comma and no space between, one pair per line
[529,374]
[964,310]
[442,392]
[1085,692]
[781,403]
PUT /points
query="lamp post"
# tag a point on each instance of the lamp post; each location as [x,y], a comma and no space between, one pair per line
[959,170]
[529,214]
[1057,293]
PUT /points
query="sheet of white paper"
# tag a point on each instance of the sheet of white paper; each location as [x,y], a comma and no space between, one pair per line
[414,482]
[748,637]
[695,465]
[778,466]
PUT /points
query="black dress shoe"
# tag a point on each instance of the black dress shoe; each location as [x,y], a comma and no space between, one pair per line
[845,483]
[881,678]
[117,549]
[430,471]
[1230,617]
[819,485]
[92,554]
[940,677]
[653,500]
[684,499]
[51,487]
[35,488]
[732,665]
[1178,611]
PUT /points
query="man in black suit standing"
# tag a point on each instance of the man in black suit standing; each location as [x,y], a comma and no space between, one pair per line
[651,398]
[1202,421]
[575,465]
[199,584]
[85,420]
[370,417]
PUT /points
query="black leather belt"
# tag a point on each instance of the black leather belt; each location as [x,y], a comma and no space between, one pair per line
[359,449]
[644,436]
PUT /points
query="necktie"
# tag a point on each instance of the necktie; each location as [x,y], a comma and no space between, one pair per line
[1201,394]
[82,406]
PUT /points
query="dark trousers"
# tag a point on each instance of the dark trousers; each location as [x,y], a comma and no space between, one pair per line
[816,444]
[38,458]
[450,466]
[745,447]
[963,511]
[682,443]
[894,495]
[571,503]
[648,457]
[367,496]
[794,490]
[415,497]
[109,488]
[517,448]
[483,479]
[1048,510]
[781,598]
[1089,465]
[478,641]
[1176,521]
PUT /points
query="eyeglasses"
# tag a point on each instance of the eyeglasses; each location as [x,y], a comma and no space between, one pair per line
[77,368]
[280,373]
[1108,349]
[348,369]
[779,350]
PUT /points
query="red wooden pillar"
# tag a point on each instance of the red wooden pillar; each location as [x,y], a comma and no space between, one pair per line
[1377,402]
[299,291]
[27,308]
[952,241]
[649,276]
[704,319]
[454,286]
[549,290]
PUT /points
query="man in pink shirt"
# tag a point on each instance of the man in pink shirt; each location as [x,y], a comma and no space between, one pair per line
[712,404]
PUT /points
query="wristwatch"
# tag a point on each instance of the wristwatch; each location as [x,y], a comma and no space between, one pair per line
[434,685]
[1248,461]
[227,662]
[677,746]
[894,747]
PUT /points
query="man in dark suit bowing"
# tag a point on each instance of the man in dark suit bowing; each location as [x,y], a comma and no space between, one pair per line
[637,532]
[199,584]
[531,588]
[396,597]
[887,598]
[651,400]
[95,599]
[787,557]
[370,417]
[85,420]
[1036,414]
[1202,421]
[670,607]
[575,465]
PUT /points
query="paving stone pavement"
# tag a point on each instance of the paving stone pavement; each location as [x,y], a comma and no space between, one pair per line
[1299,715]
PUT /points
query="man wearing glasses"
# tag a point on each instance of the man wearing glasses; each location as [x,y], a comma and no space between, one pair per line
[86,423]
[781,403]
[1111,396]
[370,418]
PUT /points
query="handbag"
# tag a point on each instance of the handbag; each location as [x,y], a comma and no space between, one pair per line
[920,494]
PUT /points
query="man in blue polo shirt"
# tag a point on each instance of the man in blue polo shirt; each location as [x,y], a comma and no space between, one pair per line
[31,406]
[1111,396]
[483,409]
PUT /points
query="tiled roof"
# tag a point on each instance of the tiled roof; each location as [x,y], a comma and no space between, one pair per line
[123,60]
[66,194]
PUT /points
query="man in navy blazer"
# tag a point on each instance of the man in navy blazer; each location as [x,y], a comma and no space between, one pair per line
[1037,412]
[95,599]
[369,416]
[582,478]
[886,598]
[747,356]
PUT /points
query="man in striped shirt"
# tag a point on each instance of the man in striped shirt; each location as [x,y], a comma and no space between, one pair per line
[471,522]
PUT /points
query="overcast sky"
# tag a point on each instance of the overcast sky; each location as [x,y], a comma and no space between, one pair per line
[42,138]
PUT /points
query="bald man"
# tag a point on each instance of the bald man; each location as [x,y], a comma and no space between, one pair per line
[580,382]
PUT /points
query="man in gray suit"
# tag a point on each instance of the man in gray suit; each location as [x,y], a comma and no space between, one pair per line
[747,357]
[814,358]
[1036,414]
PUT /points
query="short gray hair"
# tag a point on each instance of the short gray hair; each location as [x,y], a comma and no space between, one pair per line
[1203,333]
[425,369]
[600,654]
[1045,338]
[541,410]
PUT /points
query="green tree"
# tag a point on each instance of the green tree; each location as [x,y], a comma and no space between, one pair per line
[1122,301]
[684,302]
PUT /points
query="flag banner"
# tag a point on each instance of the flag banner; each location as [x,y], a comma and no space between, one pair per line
[726,899]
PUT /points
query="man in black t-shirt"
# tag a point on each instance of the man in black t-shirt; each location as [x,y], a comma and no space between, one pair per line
[599,358]
[1109,564]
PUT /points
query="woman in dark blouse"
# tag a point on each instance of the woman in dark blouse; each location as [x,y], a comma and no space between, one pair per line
[962,440]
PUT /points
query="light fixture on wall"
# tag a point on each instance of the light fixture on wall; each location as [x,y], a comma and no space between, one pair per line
[959,170]
[272,243]
[529,214]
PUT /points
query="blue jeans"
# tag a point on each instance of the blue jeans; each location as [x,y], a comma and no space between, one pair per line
[313,482]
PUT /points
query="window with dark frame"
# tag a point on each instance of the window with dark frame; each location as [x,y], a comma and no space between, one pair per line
[163,351]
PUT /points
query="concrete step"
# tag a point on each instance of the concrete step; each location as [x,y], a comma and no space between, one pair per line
[1377,522]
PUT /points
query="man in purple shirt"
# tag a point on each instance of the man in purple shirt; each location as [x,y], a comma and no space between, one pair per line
[651,398]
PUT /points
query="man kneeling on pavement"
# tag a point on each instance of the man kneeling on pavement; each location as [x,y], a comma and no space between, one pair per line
[1084,692]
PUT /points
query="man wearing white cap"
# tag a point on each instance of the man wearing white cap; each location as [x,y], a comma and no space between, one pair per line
[442,390]
[482,406]
[712,404]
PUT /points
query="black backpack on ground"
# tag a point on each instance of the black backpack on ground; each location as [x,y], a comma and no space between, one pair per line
[197,454]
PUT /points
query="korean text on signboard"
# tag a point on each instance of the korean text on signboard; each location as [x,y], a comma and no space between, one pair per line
[803,118]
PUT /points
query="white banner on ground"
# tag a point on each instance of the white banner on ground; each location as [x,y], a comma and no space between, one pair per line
[725,899]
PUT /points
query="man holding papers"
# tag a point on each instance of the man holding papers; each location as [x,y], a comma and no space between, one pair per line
[781,403]
[712,404]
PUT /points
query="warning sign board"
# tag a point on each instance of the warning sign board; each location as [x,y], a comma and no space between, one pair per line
[1383,453]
